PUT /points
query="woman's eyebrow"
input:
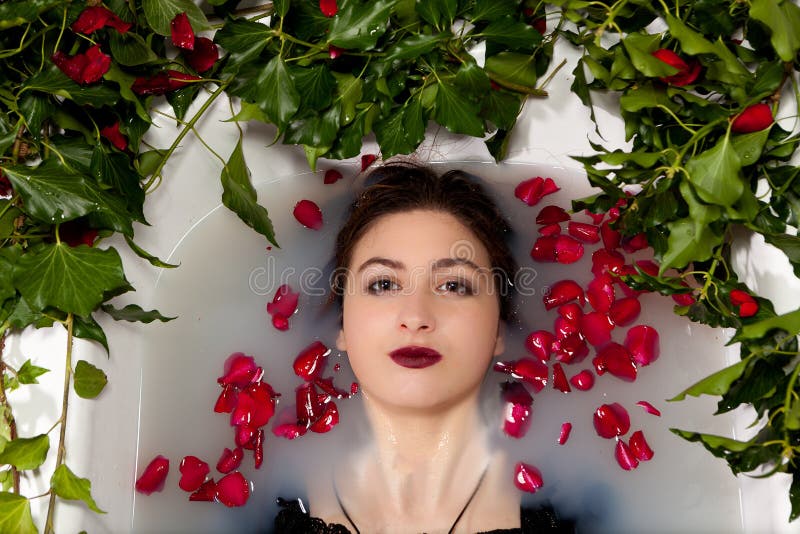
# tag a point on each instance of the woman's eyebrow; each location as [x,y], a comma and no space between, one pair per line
[392,264]
[444,263]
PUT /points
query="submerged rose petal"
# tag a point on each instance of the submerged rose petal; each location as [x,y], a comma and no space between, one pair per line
[230,460]
[649,408]
[332,176]
[527,478]
[308,214]
[182,32]
[642,343]
[367,160]
[597,327]
[193,473]
[588,233]
[329,8]
[540,344]
[154,476]
[327,386]
[583,380]
[552,215]
[311,361]
[204,55]
[611,420]
[568,249]
[625,457]
[207,492]
[240,370]
[533,190]
[624,311]
[284,302]
[233,490]
[531,371]
[566,428]
[544,248]
[639,446]
[617,360]
[560,379]
[517,411]
[562,292]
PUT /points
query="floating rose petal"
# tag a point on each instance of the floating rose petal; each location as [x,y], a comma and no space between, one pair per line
[611,238]
[334,51]
[331,177]
[193,473]
[588,233]
[113,134]
[564,328]
[550,229]
[568,249]
[230,460]
[753,119]
[624,311]
[280,322]
[649,408]
[571,312]
[533,190]
[289,430]
[309,406]
[240,370]
[625,457]
[642,343]
[255,406]
[258,449]
[367,160]
[204,55]
[583,380]
[648,266]
[639,446]
[517,410]
[552,215]
[207,492]
[284,302]
[311,361]
[540,344]
[245,436]
[600,293]
[687,72]
[560,379]
[527,478]
[93,18]
[353,388]
[328,419]
[597,218]
[571,349]
[611,420]
[607,261]
[329,8]
[615,359]
[635,243]
[531,371]
[326,385]
[597,327]
[544,248]
[566,428]
[182,32]
[308,214]
[562,292]
[233,490]
[226,401]
[154,476]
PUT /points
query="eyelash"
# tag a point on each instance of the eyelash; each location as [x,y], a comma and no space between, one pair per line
[461,288]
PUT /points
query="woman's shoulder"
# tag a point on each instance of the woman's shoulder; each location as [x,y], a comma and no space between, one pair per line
[292,518]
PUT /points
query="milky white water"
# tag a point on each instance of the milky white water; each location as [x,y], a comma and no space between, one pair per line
[220,291]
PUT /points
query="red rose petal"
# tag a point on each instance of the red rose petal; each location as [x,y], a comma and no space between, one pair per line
[748,309]
[258,449]
[683,299]
[328,419]
[245,436]
[611,420]
[566,428]
[597,327]
[329,8]
[568,249]
[527,478]
[642,343]
[334,51]
[207,492]
[550,229]
[600,293]
[687,72]
[571,312]
[560,379]
[639,446]
[97,64]
[182,32]
[583,380]
[240,370]
[625,457]
[517,412]
[739,297]
[540,344]
[76,232]
[649,408]
[544,249]
[552,215]
[624,311]
[533,190]
[280,322]
[635,243]
[113,134]
[607,261]
[332,176]
[571,349]
[564,328]
[562,292]
[93,18]
[193,473]
[597,218]
[531,371]
[233,490]
[226,401]
[154,476]
[255,406]
[308,214]
[204,55]
[367,160]
[284,302]
[753,119]
[289,430]
[588,233]
[611,238]
[230,460]
[617,360]
[311,361]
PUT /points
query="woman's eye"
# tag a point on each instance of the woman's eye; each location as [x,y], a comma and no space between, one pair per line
[456,286]
[381,286]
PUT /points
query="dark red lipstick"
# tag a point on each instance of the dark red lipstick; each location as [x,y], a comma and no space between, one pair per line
[415,357]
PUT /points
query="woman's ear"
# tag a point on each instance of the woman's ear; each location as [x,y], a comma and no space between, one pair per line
[341,343]
[500,343]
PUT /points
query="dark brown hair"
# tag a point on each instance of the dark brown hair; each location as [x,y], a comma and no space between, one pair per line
[401,187]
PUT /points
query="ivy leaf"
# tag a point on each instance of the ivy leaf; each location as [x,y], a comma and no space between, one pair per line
[130,49]
[391,135]
[501,108]
[53,194]
[16,13]
[28,373]
[514,71]
[640,48]
[493,9]
[87,328]
[749,146]
[783,20]
[74,280]
[691,238]
[349,91]
[159,14]
[513,34]
[315,85]
[142,253]
[26,453]
[274,91]
[15,510]
[36,109]
[716,174]
[125,82]
[67,485]
[414,46]
[114,170]
[243,39]
[359,26]
[316,130]
[717,445]
[88,381]
[55,82]
[239,196]
[756,383]
[715,384]
[790,322]
[134,313]
[22,316]
[455,112]
[439,13]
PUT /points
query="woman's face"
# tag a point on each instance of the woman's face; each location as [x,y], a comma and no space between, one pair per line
[421,313]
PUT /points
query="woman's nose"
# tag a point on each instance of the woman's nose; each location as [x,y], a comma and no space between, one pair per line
[417,313]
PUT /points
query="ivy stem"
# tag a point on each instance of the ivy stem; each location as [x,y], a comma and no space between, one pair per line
[787,400]
[186,129]
[5,408]
[48,528]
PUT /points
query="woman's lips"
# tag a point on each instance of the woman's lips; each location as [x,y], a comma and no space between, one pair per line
[415,357]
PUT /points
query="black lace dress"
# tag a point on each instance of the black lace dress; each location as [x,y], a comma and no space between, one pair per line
[292,519]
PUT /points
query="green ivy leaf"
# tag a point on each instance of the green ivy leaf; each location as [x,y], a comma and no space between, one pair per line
[713,442]
[749,146]
[130,49]
[36,109]
[492,9]
[28,373]
[783,20]
[88,328]
[455,112]
[243,39]
[16,13]
[716,174]
[55,82]
[502,108]
[513,34]
[514,71]
[790,322]
[415,46]
[715,384]
[359,26]
[26,453]
[640,48]
[125,81]
[159,14]
[439,13]
[349,91]
[114,170]
[22,316]
[53,194]
[142,253]
[391,135]
[15,513]
[134,313]
[316,86]
[274,91]
[88,380]
[68,486]
[239,196]
[75,280]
